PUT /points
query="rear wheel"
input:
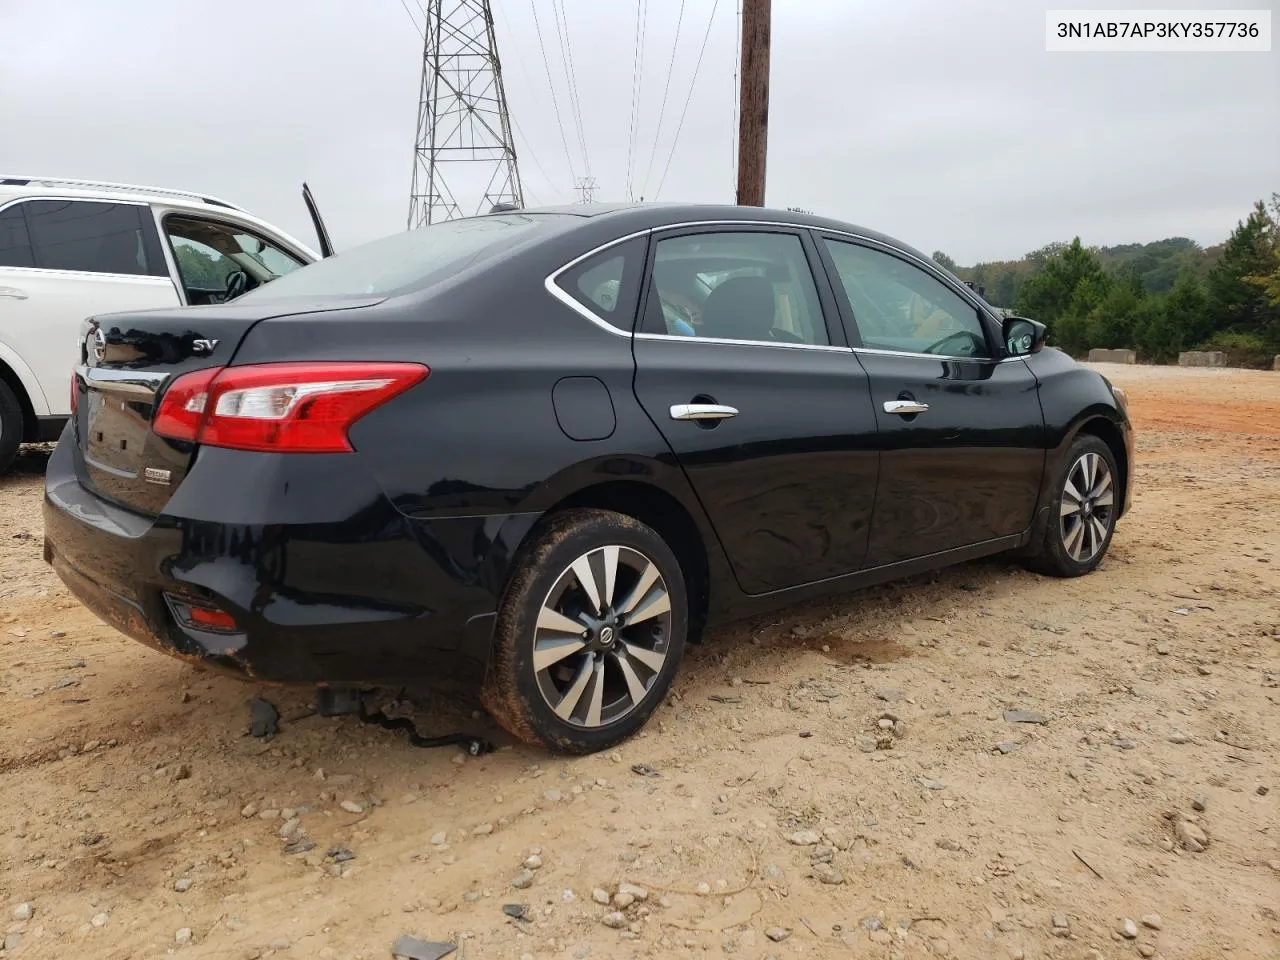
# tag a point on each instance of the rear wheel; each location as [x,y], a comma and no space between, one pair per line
[590,632]
[1083,516]
[10,426]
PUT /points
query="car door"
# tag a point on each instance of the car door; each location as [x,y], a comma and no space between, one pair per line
[961,431]
[62,260]
[742,366]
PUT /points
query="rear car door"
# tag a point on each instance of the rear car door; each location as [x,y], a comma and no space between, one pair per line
[63,260]
[961,430]
[742,366]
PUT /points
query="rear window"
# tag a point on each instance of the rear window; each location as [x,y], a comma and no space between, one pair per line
[409,261]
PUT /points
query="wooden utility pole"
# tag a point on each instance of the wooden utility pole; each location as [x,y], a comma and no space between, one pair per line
[753,102]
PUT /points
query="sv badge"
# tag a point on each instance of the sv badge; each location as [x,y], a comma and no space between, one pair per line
[204,346]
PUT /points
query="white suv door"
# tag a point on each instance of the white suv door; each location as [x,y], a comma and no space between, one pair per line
[62,260]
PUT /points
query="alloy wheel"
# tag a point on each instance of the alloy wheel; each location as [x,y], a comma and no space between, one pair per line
[602,636]
[1087,508]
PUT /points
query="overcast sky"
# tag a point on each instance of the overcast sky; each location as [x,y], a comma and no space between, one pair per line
[942,122]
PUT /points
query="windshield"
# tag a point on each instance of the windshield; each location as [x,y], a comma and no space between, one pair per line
[408,261]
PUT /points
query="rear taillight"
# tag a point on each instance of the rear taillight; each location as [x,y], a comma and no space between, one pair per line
[282,407]
[75,392]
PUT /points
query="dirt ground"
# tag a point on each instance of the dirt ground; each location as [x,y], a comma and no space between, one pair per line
[137,818]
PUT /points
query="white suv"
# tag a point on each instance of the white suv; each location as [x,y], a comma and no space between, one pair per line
[70,249]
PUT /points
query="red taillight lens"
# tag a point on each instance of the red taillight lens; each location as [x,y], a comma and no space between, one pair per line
[183,405]
[281,407]
[75,392]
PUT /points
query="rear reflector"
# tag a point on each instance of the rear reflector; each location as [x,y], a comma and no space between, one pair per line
[200,616]
[281,407]
[208,617]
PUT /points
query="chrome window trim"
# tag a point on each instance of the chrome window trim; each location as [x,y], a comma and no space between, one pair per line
[744,343]
[568,300]
[931,356]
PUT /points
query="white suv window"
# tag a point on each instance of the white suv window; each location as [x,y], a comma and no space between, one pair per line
[209,253]
[82,235]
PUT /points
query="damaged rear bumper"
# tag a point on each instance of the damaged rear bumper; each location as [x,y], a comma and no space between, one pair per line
[378,598]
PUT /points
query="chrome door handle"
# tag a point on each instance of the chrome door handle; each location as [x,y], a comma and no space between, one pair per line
[13,293]
[905,408]
[702,411]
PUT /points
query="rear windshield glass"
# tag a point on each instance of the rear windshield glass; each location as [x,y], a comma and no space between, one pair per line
[408,261]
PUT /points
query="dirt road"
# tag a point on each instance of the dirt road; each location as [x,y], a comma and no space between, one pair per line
[137,819]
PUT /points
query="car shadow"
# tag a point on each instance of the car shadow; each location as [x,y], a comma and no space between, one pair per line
[30,461]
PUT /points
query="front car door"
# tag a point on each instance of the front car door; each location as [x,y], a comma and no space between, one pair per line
[741,364]
[64,259]
[216,260]
[960,426]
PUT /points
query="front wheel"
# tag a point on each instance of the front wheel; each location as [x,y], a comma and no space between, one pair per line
[1083,516]
[589,634]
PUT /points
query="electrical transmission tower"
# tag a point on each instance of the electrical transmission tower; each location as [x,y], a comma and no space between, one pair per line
[464,159]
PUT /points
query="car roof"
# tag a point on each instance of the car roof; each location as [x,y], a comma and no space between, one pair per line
[12,185]
[627,217]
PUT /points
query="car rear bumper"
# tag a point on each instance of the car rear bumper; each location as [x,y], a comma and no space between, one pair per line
[370,596]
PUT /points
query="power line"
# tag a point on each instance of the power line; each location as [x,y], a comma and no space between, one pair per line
[637,76]
[536,162]
[683,113]
[570,74]
[662,110]
[527,142]
[555,102]
[414,20]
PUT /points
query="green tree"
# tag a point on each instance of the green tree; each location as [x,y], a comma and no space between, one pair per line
[1062,295]
[1238,301]
[1112,321]
[1268,281]
[1168,325]
[942,260]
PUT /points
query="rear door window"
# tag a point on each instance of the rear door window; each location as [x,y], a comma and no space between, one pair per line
[93,237]
[747,286]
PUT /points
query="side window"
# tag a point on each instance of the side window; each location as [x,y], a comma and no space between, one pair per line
[15,243]
[219,261]
[608,283]
[751,286]
[93,237]
[898,306]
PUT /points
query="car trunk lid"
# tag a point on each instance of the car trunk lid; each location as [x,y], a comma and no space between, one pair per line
[126,363]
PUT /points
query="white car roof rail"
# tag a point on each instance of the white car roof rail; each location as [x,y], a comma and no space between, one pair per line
[21,181]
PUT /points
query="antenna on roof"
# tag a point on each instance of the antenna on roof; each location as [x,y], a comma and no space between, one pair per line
[504,207]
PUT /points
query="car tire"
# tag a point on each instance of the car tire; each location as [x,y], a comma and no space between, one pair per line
[1082,515]
[10,426]
[568,674]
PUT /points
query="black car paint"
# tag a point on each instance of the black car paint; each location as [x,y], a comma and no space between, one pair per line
[388,564]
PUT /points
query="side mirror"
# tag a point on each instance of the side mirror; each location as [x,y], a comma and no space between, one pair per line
[1023,337]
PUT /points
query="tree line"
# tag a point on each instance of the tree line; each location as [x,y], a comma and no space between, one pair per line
[1157,298]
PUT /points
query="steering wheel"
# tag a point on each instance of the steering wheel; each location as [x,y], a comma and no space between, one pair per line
[975,345]
[237,282]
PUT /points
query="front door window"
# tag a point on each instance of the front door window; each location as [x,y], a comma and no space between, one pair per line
[897,306]
[218,262]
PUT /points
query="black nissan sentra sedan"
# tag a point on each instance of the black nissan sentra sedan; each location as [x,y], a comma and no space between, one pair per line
[543,451]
